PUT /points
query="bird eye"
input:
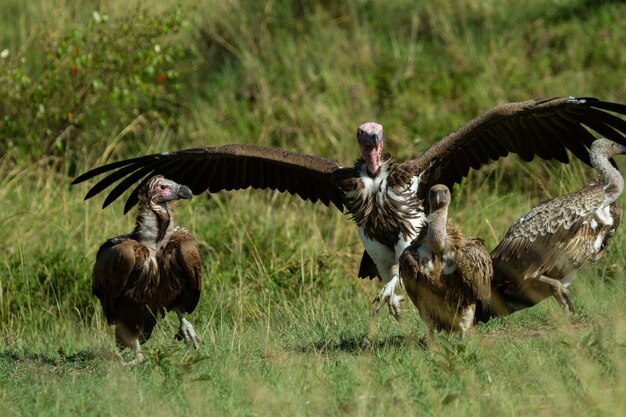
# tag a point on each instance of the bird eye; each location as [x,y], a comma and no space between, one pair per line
[360,131]
[163,187]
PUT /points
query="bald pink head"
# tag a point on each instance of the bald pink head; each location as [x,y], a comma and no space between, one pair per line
[370,137]
[160,190]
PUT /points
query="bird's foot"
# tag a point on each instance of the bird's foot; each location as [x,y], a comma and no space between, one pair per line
[565,300]
[187,333]
[560,292]
[139,358]
[388,296]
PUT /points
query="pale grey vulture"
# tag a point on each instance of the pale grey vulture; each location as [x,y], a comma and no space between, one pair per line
[542,251]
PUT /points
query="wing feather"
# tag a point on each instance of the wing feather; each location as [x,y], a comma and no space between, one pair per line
[190,264]
[533,242]
[475,268]
[546,128]
[116,264]
[228,167]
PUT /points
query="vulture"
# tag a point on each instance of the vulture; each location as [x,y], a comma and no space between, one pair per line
[385,198]
[542,251]
[445,273]
[156,267]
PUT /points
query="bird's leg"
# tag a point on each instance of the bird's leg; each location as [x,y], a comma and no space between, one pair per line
[387,295]
[137,353]
[186,331]
[466,321]
[126,338]
[560,292]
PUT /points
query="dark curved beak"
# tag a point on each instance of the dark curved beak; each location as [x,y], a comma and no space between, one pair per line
[371,140]
[184,192]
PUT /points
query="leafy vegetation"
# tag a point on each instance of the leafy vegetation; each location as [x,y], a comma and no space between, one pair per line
[285,324]
[107,74]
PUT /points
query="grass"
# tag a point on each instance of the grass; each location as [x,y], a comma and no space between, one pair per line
[286,327]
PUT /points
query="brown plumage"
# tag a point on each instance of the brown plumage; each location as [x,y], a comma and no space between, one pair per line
[386,199]
[156,267]
[445,273]
[541,253]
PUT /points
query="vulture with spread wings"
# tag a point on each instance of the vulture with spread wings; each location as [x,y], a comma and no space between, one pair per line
[386,199]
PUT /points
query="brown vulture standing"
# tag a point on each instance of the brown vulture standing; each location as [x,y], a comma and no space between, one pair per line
[385,199]
[542,251]
[154,268]
[444,272]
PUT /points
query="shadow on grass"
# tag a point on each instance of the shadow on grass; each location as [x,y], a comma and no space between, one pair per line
[361,343]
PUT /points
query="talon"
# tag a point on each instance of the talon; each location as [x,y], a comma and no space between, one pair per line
[139,358]
[394,306]
[387,296]
[186,331]
[401,285]
[377,304]
[570,305]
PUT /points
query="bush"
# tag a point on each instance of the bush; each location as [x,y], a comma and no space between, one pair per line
[108,73]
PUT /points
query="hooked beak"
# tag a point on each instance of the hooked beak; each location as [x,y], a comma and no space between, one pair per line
[371,140]
[184,192]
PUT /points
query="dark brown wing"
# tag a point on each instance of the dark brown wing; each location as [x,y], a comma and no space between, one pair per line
[475,268]
[229,167]
[546,128]
[117,262]
[186,263]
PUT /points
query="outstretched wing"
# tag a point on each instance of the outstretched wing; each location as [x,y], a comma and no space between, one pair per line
[117,262]
[546,128]
[229,167]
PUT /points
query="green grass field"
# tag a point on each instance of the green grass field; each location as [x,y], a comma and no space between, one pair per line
[286,327]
